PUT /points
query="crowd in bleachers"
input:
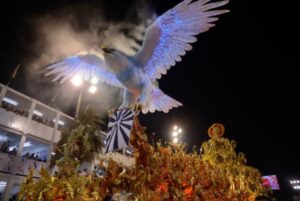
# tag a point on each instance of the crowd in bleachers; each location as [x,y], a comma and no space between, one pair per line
[42,120]
[6,146]
[13,109]
[33,157]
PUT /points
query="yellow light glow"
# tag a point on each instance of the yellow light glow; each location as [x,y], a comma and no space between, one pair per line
[77,80]
[175,140]
[94,80]
[175,133]
[92,89]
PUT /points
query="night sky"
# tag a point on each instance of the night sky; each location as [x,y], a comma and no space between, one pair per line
[242,73]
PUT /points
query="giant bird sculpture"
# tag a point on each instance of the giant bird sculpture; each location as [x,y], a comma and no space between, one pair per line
[166,40]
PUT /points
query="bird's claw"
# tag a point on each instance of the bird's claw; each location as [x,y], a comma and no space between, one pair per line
[111,112]
[136,106]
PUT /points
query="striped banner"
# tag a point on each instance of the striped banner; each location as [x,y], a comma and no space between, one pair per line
[119,129]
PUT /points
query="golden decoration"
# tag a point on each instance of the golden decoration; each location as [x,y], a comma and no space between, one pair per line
[216,130]
[161,173]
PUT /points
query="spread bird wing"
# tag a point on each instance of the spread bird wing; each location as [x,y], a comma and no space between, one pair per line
[86,65]
[169,36]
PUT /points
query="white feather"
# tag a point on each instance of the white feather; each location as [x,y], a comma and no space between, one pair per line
[169,36]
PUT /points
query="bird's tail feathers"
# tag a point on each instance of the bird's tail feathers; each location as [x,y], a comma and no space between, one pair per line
[161,102]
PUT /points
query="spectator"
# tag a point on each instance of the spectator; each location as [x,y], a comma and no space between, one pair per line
[13,152]
[27,155]
[5,147]
[13,198]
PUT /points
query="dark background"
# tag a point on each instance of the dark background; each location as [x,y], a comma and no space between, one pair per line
[242,73]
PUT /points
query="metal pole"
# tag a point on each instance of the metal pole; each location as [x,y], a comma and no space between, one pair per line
[79,101]
[14,74]
[3,92]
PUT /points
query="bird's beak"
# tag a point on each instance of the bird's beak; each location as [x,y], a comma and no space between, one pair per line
[106,50]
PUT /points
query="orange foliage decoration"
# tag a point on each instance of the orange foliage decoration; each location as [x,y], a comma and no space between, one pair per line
[166,173]
[169,173]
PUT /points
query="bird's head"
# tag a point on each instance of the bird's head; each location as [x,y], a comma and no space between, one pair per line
[110,53]
[104,52]
[107,50]
[114,58]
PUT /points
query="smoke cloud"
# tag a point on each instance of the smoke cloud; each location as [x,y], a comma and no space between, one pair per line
[68,29]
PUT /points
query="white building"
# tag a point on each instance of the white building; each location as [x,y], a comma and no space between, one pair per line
[29,130]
